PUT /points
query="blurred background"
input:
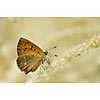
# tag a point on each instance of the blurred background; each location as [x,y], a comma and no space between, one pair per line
[66,33]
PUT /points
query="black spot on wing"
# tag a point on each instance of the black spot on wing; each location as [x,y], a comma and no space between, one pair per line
[34,49]
[24,44]
[28,42]
[38,52]
[18,49]
[25,49]
[31,47]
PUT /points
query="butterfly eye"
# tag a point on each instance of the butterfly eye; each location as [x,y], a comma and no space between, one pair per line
[46,52]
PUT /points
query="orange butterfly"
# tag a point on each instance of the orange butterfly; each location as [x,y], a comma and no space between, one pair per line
[30,56]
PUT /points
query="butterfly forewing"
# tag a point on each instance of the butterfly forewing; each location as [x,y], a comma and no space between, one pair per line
[26,47]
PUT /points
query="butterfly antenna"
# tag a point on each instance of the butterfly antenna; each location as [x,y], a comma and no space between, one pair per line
[51,48]
[46,52]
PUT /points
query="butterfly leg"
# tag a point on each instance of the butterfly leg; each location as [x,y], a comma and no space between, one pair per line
[48,60]
[43,60]
[43,67]
[43,63]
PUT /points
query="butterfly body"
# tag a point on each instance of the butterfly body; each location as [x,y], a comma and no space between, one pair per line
[30,56]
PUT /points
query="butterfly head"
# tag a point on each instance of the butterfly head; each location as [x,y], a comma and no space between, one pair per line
[46,52]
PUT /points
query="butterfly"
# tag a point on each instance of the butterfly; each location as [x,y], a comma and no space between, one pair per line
[30,56]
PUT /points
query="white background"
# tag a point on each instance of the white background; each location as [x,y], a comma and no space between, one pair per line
[49,8]
[50,91]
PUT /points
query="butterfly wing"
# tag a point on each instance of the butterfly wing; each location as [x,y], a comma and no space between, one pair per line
[29,55]
[26,47]
[29,62]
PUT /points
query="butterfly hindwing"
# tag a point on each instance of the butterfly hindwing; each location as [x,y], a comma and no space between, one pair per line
[29,62]
[26,47]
